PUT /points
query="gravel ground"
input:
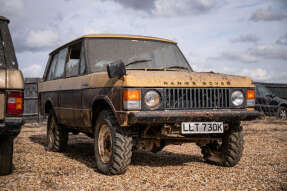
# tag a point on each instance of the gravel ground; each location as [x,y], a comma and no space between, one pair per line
[262,167]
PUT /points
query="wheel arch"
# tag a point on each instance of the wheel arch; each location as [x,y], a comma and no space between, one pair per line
[100,104]
[283,105]
[48,106]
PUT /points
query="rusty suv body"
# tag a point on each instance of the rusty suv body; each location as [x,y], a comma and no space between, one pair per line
[156,91]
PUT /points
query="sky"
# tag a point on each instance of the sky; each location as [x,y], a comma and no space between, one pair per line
[246,37]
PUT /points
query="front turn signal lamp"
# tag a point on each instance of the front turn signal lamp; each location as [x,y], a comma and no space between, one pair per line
[132,99]
[250,97]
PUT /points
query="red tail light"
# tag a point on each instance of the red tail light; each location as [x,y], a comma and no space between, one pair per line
[15,103]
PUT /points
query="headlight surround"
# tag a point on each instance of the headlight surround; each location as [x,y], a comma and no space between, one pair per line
[152,99]
[237,98]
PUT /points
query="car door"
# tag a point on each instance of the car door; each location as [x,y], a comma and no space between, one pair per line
[57,77]
[71,96]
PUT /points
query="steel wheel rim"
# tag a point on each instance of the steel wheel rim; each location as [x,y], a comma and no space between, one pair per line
[283,114]
[105,143]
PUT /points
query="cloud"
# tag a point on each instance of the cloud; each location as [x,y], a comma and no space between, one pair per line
[236,56]
[183,7]
[268,14]
[248,38]
[41,39]
[282,40]
[33,70]
[146,5]
[170,8]
[257,74]
[10,8]
[269,51]
[37,40]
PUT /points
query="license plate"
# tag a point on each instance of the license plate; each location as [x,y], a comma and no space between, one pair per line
[201,127]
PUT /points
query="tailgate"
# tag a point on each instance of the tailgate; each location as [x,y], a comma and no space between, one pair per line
[2,105]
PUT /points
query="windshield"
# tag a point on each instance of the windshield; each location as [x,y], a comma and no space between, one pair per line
[263,91]
[136,54]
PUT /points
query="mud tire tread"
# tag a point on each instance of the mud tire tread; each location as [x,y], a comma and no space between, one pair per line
[231,149]
[60,136]
[121,150]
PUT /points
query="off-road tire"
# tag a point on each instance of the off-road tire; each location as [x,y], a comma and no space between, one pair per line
[57,136]
[282,112]
[121,145]
[229,153]
[6,155]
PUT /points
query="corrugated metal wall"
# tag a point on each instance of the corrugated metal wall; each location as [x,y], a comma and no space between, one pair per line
[31,99]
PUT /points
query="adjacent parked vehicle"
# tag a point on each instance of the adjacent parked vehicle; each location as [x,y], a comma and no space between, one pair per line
[11,98]
[269,103]
[135,93]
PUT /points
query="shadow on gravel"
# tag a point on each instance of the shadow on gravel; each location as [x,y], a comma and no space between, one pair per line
[249,131]
[163,158]
[84,153]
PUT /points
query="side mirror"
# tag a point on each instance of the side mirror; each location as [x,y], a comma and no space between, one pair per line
[116,69]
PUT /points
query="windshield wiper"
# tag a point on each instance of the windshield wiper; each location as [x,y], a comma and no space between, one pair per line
[175,67]
[138,61]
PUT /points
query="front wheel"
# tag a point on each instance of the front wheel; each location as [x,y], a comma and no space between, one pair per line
[282,113]
[6,155]
[228,151]
[113,148]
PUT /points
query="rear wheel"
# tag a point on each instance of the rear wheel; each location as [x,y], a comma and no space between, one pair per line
[282,113]
[6,155]
[228,151]
[113,148]
[57,136]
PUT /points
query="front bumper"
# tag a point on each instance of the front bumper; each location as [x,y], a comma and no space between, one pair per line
[11,126]
[162,117]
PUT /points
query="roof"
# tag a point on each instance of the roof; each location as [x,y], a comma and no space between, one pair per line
[128,37]
[123,36]
[4,19]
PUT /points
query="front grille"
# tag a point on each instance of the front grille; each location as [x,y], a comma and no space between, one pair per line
[197,98]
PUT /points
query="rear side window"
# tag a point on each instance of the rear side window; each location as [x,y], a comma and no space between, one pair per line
[73,64]
[52,67]
[60,67]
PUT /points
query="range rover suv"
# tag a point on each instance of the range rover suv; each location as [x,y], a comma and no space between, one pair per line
[11,98]
[133,93]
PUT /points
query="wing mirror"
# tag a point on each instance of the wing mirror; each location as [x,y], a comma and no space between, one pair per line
[116,69]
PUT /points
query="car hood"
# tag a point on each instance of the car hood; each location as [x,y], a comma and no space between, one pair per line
[280,100]
[137,78]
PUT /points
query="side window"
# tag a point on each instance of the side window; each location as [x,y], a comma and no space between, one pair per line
[73,64]
[60,67]
[52,67]
[83,61]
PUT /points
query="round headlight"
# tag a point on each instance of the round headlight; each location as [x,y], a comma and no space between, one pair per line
[237,98]
[152,99]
